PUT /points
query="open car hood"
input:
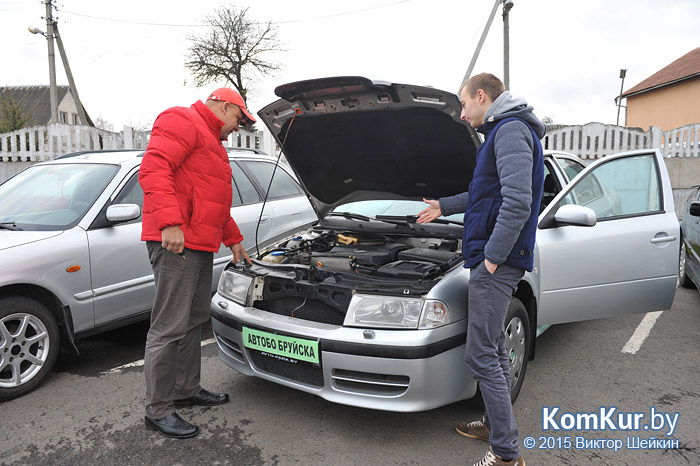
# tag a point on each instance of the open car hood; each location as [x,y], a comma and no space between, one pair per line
[351,139]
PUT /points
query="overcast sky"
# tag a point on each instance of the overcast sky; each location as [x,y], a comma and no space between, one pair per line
[566,55]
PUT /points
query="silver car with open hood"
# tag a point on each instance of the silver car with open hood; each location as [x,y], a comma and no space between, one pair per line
[368,308]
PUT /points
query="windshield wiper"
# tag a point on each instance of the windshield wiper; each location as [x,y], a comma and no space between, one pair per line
[399,221]
[414,218]
[10,226]
[350,215]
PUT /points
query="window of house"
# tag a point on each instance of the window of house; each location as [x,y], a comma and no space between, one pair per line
[63,117]
[76,120]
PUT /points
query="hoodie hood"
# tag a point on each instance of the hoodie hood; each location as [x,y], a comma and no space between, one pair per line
[507,105]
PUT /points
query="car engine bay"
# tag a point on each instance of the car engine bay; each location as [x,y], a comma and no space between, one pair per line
[313,275]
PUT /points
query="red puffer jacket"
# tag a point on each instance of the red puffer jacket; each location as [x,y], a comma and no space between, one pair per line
[186,180]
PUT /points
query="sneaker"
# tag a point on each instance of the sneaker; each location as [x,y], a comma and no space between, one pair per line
[476,429]
[492,459]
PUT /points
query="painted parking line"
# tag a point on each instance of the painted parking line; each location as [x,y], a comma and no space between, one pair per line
[642,332]
[139,363]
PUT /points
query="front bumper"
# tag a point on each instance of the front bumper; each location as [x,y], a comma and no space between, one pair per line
[392,370]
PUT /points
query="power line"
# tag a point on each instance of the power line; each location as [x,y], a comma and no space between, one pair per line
[130,22]
[201,25]
[340,14]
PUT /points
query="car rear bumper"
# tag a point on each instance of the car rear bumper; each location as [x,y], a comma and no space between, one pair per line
[392,370]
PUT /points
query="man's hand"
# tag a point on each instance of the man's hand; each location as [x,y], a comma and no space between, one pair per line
[431,212]
[173,239]
[490,266]
[239,253]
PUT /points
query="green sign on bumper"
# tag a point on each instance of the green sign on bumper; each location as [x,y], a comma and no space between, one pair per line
[294,348]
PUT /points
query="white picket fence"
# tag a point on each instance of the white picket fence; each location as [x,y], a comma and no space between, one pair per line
[22,148]
[595,140]
[39,143]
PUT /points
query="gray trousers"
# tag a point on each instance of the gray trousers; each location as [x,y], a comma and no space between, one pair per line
[172,362]
[489,298]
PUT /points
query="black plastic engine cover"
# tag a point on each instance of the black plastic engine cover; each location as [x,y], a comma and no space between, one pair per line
[377,255]
[445,259]
[409,270]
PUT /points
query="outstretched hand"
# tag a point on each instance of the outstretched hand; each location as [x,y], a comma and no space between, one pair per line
[431,212]
[239,253]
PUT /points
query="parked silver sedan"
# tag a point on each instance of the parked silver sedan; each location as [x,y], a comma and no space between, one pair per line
[74,264]
[368,308]
[689,264]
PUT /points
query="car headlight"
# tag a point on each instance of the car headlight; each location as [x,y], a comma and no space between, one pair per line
[397,313]
[235,286]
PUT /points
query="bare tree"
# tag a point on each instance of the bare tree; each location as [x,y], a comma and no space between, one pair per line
[103,124]
[233,49]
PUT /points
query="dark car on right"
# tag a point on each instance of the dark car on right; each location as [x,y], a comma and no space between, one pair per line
[689,264]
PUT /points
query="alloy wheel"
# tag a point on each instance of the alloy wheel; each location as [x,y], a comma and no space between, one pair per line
[24,348]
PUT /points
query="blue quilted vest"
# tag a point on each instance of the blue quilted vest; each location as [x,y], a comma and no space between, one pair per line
[485,201]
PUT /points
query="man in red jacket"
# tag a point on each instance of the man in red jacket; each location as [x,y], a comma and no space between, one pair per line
[186,181]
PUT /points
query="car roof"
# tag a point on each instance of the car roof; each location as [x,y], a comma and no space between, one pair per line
[102,156]
[124,156]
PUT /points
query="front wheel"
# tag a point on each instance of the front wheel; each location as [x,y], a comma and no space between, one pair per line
[29,342]
[517,330]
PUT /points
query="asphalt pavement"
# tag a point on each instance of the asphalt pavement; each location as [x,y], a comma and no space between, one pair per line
[90,410]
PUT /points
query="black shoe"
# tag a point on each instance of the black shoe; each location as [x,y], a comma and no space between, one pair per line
[204,398]
[172,426]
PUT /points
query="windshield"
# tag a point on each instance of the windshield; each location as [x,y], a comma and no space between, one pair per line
[390,207]
[52,197]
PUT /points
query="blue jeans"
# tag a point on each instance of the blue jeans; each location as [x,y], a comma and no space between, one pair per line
[489,298]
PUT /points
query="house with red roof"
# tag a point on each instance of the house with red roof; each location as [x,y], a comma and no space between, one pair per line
[670,98]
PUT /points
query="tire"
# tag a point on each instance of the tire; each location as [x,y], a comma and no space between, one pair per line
[683,279]
[29,342]
[517,330]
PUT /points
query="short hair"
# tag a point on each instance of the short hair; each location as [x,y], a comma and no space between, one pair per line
[490,84]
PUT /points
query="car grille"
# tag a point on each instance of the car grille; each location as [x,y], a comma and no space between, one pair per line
[232,349]
[303,308]
[302,372]
[368,383]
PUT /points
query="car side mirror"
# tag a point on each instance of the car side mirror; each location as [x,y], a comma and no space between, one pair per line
[695,209]
[122,212]
[578,215]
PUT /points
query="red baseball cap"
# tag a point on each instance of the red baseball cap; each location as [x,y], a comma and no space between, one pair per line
[229,95]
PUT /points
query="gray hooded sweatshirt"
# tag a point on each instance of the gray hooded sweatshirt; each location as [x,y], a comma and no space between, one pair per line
[513,147]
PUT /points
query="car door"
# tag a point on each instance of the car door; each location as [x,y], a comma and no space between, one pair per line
[627,261]
[122,278]
[291,206]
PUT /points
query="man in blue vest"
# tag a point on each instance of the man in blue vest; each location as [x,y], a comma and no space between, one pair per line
[500,221]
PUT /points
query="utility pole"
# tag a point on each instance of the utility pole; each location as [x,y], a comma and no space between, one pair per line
[623,73]
[71,83]
[52,63]
[481,41]
[52,28]
[507,5]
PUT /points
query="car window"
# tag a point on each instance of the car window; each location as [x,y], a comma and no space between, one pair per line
[53,197]
[551,186]
[571,167]
[131,193]
[244,191]
[622,187]
[283,185]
